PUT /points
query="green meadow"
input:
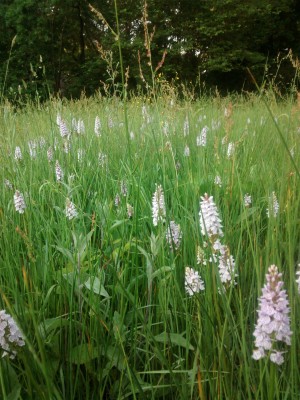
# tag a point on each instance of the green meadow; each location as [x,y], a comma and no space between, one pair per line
[99,291]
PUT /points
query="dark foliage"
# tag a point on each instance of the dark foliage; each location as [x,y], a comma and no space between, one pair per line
[66,47]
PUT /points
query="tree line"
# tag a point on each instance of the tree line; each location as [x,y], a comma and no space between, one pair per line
[71,47]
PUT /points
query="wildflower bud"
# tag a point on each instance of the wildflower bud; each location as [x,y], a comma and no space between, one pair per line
[298,279]
[32,149]
[74,124]
[80,155]
[186,127]
[19,202]
[102,159]
[158,205]
[64,131]
[117,200]
[42,142]
[67,146]
[97,129]
[247,200]
[200,256]
[273,210]
[165,128]
[230,150]
[218,181]
[226,266]
[186,151]
[58,119]
[8,184]
[202,138]
[124,190]
[129,211]
[145,113]
[18,154]
[174,235]
[80,127]
[70,210]
[50,154]
[110,122]
[59,172]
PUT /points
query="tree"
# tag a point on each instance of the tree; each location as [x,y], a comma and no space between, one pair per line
[67,46]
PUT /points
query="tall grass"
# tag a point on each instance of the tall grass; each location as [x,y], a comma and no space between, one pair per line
[100,298]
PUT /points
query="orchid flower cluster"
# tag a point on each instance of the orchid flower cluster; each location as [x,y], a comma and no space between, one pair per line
[298,278]
[70,210]
[212,229]
[273,323]
[19,202]
[193,281]
[273,209]
[173,233]
[158,206]
[10,335]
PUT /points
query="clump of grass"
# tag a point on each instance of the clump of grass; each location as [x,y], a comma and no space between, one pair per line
[100,293]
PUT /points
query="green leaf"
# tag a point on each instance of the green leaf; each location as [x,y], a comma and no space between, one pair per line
[94,284]
[51,324]
[162,271]
[116,357]
[14,394]
[84,353]
[118,327]
[118,223]
[66,253]
[149,266]
[14,381]
[174,338]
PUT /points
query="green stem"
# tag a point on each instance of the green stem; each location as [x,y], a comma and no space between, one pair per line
[7,65]
[124,90]
[271,384]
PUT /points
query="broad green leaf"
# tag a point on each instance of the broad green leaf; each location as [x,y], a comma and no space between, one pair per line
[117,223]
[66,253]
[174,338]
[13,379]
[162,271]
[53,323]
[84,353]
[14,394]
[116,357]
[94,284]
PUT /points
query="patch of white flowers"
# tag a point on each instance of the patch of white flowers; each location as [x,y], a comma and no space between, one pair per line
[193,282]
[211,228]
[10,335]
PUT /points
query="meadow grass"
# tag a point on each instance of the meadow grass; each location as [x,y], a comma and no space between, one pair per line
[100,298]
